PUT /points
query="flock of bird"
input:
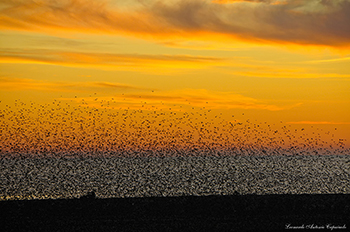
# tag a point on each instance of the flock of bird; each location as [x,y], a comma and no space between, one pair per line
[63,128]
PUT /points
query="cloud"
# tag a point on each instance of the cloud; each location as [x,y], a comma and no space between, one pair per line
[186,98]
[343,59]
[11,84]
[319,123]
[275,70]
[299,22]
[235,1]
[18,84]
[272,2]
[310,22]
[136,97]
[118,61]
[113,85]
[68,15]
[290,74]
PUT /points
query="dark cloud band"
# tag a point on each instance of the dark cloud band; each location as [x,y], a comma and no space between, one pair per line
[271,21]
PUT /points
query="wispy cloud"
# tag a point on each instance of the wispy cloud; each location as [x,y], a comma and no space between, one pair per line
[343,59]
[136,97]
[319,123]
[310,22]
[235,1]
[184,97]
[112,85]
[17,84]
[118,61]
[248,68]
[296,74]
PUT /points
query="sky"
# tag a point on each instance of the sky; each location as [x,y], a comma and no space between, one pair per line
[246,63]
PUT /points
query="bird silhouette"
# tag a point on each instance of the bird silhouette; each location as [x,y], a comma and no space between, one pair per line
[108,127]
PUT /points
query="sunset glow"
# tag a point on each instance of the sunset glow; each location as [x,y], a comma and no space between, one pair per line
[174,77]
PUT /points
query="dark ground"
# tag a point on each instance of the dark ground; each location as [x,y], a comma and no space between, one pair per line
[190,213]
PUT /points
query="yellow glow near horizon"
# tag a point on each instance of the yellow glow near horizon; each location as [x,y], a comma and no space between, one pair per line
[183,57]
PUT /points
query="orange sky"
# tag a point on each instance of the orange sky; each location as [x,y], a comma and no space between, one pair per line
[282,63]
